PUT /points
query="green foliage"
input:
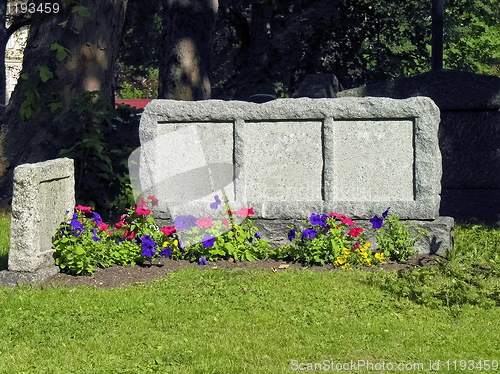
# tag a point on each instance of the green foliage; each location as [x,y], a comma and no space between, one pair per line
[239,243]
[80,251]
[328,240]
[446,285]
[469,276]
[61,52]
[100,139]
[137,83]
[472,38]
[397,239]
[476,244]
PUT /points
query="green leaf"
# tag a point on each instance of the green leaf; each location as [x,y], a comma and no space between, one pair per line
[54,106]
[249,256]
[45,73]
[61,52]
[81,11]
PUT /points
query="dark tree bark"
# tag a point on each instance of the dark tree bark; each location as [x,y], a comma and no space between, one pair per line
[90,31]
[185,62]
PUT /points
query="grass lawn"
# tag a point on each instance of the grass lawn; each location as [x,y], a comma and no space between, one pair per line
[216,321]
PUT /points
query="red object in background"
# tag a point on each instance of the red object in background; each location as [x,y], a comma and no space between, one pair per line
[138,103]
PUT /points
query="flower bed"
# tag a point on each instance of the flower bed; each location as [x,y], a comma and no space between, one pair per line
[84,242]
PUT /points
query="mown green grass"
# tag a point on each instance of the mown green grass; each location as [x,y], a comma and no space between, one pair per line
[232,322]
[216,321]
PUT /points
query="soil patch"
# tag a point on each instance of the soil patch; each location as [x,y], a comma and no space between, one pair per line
[119,276]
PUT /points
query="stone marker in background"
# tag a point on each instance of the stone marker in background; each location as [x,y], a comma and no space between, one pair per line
[469,137]
[43,193]
[289,158]
[318,86]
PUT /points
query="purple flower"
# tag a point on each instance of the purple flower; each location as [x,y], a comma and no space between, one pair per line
[376,222]
[202,261]
[97,218]
[309,233]
[96,238]
[208,241]
[148,246]
[185,222]
[77,226]
[386,213]
[319,220]
[258,235]
[166,252]
[291,234]
[217,202]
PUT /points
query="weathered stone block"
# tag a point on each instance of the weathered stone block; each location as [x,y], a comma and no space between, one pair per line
[292,157]
[43,192]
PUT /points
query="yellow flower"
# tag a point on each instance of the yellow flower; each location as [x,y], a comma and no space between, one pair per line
[368,262]
[367,245]
[340,261]
[176,242]
[346,251]
[379,256]
[165,244]
[364,254]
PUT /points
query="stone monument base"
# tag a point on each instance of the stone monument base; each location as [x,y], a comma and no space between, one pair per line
[15,278]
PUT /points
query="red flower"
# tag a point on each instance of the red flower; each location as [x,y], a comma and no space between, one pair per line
[129,234]
[120,224]
[348,221]
[141,211]
[154,200]
[83,209]
[103,226]
[244,212]
[355,232]
[336,215]
[167,230]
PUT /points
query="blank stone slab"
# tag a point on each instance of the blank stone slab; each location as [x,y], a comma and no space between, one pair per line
[43,193]
[373,160]
[293,157]
[290,153]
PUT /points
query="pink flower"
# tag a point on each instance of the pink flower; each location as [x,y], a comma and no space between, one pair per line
[226,223]
[204,222]
[336,215]
[244,212]
[103,226]
[141,211]
[348,221]
[167,230]
[142,204]
[356,245]
[83,209]
[355,232]
[154,200]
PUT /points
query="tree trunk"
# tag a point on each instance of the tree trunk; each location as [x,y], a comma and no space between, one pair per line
[252,63]
[185,65]
[90,33]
